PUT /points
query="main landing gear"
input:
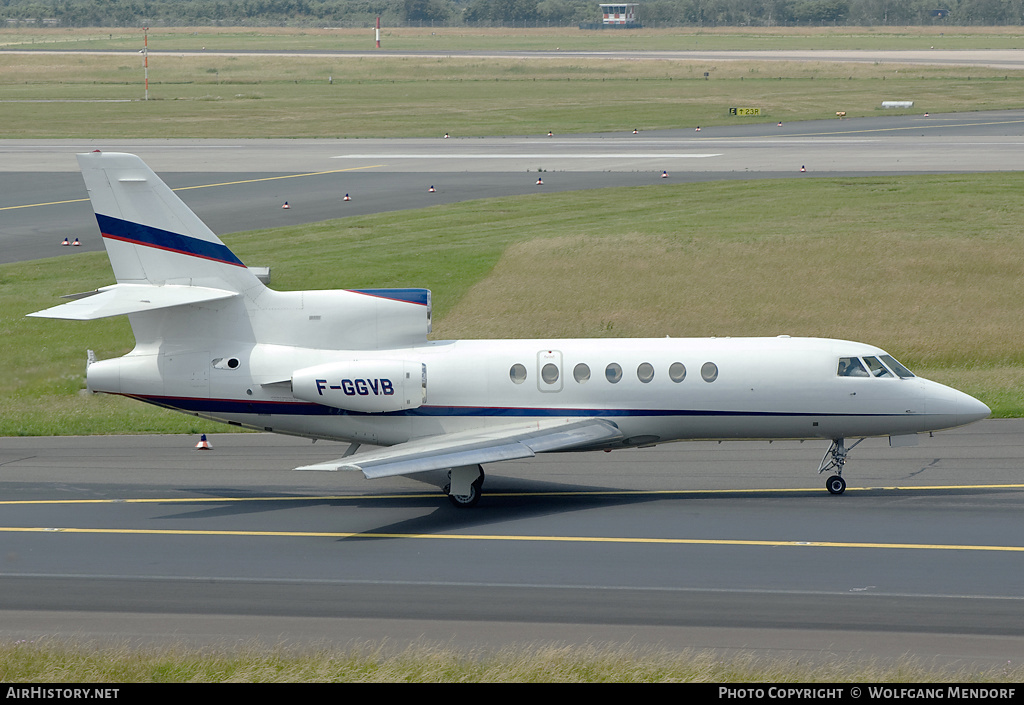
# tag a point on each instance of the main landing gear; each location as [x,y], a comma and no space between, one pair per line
[835,459]
[464,485]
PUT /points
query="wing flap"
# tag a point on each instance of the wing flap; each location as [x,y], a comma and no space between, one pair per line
[120,299]
[510,442]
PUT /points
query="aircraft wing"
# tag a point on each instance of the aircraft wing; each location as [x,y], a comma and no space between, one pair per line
[507,442]
[120,299]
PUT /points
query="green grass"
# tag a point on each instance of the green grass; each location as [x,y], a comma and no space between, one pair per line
[256,96]
[802,257]
[57,662]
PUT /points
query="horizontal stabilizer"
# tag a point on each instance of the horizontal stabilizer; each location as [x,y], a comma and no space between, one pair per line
[120,299]
[476,448]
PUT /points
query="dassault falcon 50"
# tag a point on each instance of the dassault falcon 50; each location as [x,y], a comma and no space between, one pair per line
[357,365]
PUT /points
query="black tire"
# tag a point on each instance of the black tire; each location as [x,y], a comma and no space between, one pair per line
[470,500]
[836,484]
[466,501]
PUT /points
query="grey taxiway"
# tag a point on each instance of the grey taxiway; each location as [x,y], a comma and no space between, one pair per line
[734,547]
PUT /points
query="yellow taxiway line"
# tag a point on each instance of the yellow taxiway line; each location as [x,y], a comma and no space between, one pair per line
[565,493]
[519,538]
[502,537]
[189,188]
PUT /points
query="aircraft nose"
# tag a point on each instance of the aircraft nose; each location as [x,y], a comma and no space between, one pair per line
[949,408]
[969,409]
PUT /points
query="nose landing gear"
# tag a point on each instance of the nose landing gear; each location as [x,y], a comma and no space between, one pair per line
[835,459]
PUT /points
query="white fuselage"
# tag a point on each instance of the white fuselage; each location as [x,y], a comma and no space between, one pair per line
[655,390]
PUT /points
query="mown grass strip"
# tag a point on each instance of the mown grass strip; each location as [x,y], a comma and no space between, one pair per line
[49,660]
[253,96]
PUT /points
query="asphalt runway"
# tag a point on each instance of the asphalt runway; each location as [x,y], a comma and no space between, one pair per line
[735,547]
[228,182]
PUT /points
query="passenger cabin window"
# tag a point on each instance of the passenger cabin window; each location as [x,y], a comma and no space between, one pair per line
[613,373]
[581,373]
[709,371]
[645,372]
[851,367]
[549,373]
[677,372]
[518,373]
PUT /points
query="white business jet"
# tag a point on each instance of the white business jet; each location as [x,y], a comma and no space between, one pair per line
[356,365]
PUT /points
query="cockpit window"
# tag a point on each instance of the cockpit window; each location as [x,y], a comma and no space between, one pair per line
[877,368]
[896,367]
[851,367]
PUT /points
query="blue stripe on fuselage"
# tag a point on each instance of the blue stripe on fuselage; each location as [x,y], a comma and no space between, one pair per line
[148,236]
[285,408]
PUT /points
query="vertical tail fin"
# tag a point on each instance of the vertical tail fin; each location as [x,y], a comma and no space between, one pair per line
[150,235]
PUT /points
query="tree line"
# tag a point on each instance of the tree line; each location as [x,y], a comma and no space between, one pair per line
[520,13]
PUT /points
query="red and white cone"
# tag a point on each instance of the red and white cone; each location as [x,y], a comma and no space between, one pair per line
[347,198]
[664,174]
[540,181]
[65,243]
[285,206]
[431,190]
[76,243]
[803,169]
[203,444]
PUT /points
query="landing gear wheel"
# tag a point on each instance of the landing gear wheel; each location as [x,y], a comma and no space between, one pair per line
[465,501]
[836,484]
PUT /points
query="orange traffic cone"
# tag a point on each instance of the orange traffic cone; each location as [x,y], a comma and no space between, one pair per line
[540,181]
[65,243]
[76,243]
[203,444]
[664,174]
[431,190]
[803,169]
[346,198]
[285,206]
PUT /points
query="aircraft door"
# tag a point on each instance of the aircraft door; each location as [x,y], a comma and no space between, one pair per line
[549,371]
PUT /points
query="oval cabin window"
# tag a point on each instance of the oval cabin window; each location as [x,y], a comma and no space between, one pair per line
[518,373]
[677,372]
[613,373]
[549,373]
[709,371]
